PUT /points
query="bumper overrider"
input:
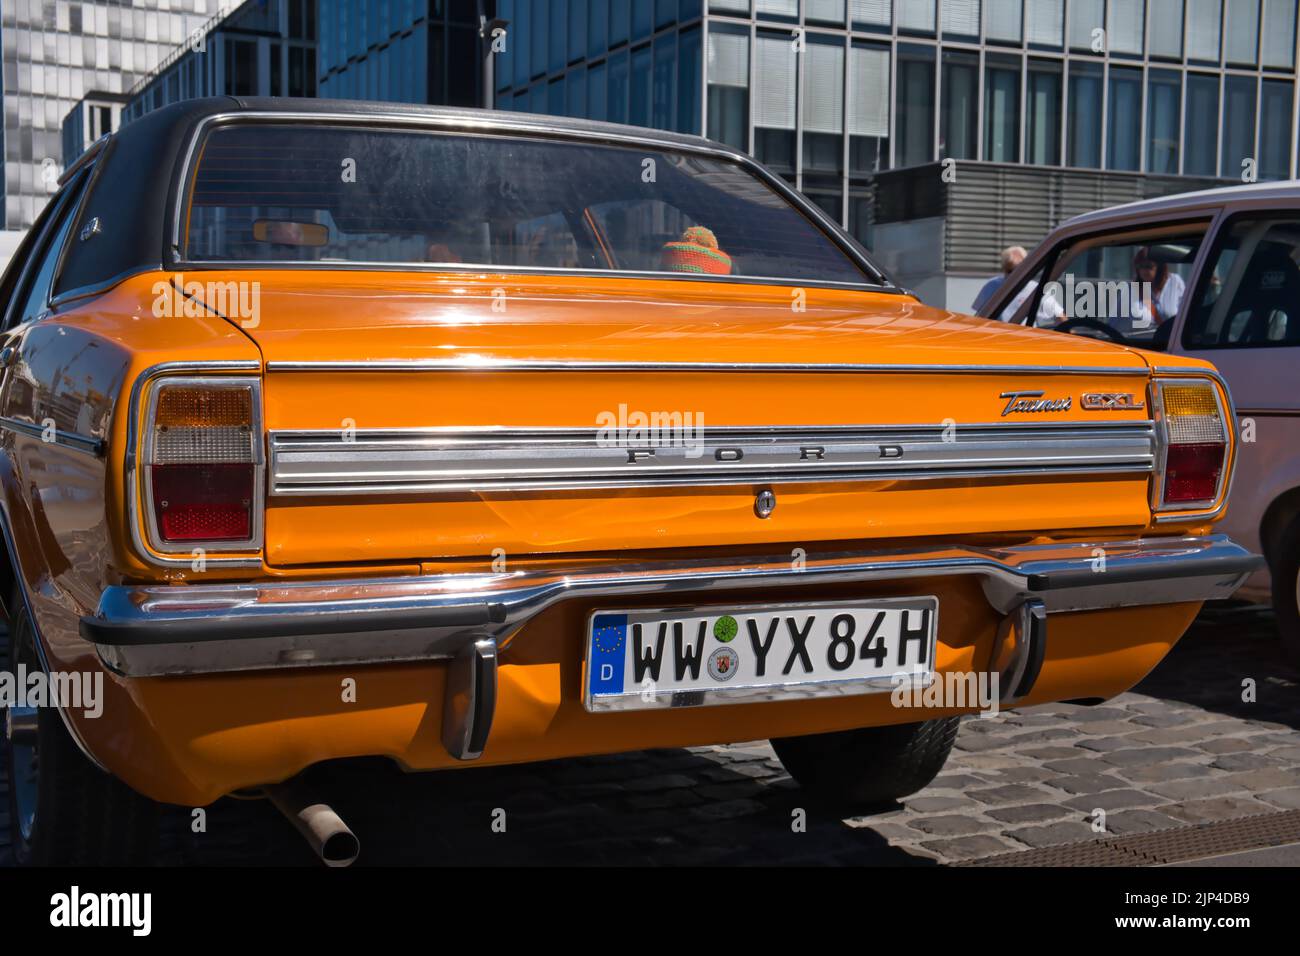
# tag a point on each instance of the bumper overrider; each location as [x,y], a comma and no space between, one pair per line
[467,619]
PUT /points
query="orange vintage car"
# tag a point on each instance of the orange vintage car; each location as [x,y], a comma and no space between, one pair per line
[464,438]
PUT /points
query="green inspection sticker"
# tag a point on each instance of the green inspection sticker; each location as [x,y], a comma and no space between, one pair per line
[725,628]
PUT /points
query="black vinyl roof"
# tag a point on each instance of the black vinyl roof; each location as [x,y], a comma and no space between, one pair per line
[139,169]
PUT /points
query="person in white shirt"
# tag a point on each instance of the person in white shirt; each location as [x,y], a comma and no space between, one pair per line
[1050,312]
[1161,291]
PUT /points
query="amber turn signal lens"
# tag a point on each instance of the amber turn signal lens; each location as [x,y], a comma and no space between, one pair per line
[181,406]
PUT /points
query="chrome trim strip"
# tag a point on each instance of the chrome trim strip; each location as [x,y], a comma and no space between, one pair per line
[511,365]
[1231,421]
[490,123]
[333,462]
[78,442]
[145,630]
[133,451]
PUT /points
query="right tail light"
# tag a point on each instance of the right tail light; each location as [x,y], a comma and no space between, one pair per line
[1194,441]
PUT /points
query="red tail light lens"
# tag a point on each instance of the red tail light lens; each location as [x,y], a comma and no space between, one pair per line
[1192,472]
[1196,444]
[203,502]
[203,463]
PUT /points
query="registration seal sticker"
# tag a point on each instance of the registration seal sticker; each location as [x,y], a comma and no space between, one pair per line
[723,664]
[725,628]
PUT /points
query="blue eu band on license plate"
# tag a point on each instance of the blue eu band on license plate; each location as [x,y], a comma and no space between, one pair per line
[690,656]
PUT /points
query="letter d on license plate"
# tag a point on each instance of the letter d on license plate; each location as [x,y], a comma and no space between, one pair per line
[684,657]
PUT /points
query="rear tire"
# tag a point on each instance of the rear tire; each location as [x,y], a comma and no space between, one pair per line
[872,767]
[1285,570]
[63,810]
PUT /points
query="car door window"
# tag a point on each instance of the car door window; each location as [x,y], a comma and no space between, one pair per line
[1129,286]
[1249,295]
[32,291]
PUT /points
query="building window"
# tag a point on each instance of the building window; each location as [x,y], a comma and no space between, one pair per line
[1242,41]
[1087,27]
[914,112]
[639,112]
[559,26]
[777,9]
[241,67]
[597,92]
[959,129]
[1275,129]
[823,108]
[577,29]
[774,102]
[868,108]
[1201,125]
[1124,26]
[961,19]
[617,103]
[1001,109]
[1085,115]
[1203,19]
[1045,23]
[688,81]
[538,35]
[1166,35]
[663,94]
[1279,34]
[729,87]
[1043,113]
[1163,89]
[825,11]
[1003,21]
[597,27]
[1124,120]
[916,15]
[643,16]
[870,13]
[1238,123]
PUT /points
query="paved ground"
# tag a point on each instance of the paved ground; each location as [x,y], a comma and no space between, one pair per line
[1182,748]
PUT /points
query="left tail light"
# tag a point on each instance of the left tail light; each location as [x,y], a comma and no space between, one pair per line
[1194,436]
[202,465]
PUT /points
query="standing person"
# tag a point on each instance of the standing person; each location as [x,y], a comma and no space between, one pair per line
[1011,257]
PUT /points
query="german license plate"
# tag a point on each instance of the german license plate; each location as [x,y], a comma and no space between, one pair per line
[684,657]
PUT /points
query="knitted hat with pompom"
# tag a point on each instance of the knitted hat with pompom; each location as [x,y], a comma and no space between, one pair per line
[697,251]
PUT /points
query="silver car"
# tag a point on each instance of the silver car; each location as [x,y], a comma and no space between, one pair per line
[1214,275]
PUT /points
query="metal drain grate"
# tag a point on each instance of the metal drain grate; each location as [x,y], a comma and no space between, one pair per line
[1162,846]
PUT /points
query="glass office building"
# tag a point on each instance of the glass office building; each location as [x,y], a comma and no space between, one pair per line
[261,48]
[405,51]
[55,52]
[834,93]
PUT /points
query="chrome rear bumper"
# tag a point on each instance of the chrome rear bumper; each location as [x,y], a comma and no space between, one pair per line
[150,630]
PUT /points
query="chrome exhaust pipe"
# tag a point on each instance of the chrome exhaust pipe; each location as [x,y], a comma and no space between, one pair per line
[324,829]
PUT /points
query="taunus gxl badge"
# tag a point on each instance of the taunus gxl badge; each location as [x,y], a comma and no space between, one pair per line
[1111,402]
[1028,403]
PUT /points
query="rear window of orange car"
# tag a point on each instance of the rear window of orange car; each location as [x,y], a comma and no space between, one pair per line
[315,194]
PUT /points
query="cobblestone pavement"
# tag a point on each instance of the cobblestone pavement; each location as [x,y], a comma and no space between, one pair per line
[1182,748]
